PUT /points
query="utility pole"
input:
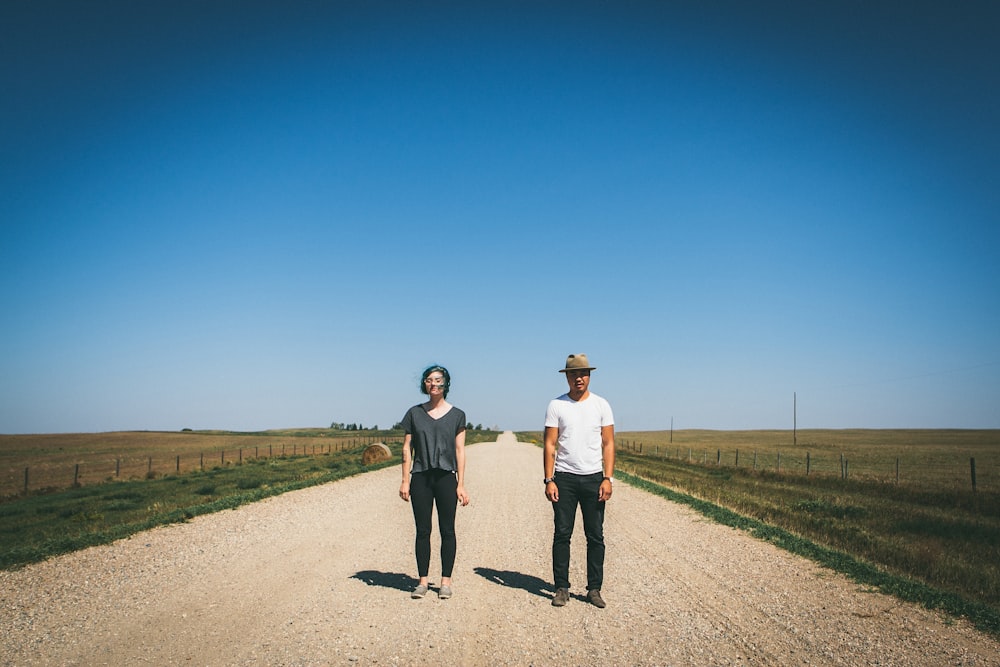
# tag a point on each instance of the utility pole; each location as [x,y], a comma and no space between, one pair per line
[795,420]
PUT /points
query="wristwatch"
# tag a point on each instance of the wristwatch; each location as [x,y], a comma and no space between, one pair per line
[549,479]
[610,479]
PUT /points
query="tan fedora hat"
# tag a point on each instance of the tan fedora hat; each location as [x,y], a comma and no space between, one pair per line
[577,362]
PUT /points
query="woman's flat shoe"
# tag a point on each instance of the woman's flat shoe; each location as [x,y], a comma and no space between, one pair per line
[418,592]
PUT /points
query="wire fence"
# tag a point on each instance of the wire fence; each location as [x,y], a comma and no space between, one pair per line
[53,473]
[951,470]
[42,475]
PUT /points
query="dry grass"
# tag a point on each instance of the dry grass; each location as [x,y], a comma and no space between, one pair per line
[930,527]
[930,459]
[51,459]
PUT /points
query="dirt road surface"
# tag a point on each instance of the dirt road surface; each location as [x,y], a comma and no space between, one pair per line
[322,576]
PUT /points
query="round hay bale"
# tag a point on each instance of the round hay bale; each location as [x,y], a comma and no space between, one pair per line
[376,453]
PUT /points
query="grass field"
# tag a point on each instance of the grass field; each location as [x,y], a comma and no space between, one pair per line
[47,522]
[52,460]
[930,529]
[938,459]
[41,525]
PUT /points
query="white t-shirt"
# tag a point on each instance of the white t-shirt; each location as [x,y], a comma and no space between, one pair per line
[579,422]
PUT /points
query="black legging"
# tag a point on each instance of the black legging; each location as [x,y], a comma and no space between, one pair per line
[426,489]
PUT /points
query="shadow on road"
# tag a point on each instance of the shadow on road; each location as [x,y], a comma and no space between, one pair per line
[525,582]
[395,580]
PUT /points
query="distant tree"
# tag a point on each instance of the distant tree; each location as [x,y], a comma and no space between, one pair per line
[479,427]
[469,426]
[341,426]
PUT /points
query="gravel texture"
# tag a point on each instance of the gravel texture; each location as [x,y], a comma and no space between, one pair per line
[322,576]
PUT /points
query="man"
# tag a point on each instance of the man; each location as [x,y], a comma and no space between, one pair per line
[579,461]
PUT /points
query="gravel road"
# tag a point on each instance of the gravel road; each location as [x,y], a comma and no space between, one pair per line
[322,576]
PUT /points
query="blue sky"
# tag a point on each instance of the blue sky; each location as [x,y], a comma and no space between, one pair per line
[250,215]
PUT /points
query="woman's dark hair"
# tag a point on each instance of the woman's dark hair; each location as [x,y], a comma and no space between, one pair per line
[435,369]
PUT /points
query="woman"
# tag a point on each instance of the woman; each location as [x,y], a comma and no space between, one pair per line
[434,472]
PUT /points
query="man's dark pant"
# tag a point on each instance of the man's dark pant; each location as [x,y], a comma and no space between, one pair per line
[582,490]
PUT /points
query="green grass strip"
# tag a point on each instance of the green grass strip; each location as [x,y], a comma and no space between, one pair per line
[16,555]
[983,617]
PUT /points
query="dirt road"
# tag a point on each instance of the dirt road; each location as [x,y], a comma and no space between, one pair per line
[322,577]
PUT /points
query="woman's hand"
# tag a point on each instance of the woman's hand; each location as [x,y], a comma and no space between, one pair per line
[404,491]
[463,497]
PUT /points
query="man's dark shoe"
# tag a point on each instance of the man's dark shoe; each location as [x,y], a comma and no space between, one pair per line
[561,597]
[594,598]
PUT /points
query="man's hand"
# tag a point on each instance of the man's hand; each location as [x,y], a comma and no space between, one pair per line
[605,491]
[552,492]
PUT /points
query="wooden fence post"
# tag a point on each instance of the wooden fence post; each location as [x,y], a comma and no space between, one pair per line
[737,458]
[178,463]
[149,468]
[25,479]
[755,459]
[808,462]
[76,476]
[118,467]
[972,466]
[718,457]
[202,462]
[897,471]
[779,461]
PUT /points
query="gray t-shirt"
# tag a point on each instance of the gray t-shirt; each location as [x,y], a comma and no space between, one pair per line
[433,440]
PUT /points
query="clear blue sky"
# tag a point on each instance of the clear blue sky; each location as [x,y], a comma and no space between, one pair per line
[250,215]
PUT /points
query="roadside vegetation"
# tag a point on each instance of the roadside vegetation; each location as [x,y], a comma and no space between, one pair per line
[928,538]
[42,524]
[50,462]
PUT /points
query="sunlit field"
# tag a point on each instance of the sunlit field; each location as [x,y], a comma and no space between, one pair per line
[929,459]
[59,461]
[841,490]
[49,521]
[52,460]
